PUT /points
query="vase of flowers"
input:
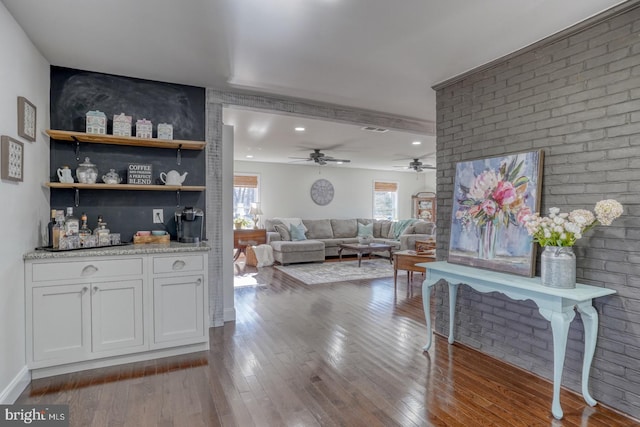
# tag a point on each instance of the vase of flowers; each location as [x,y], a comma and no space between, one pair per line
[558,232]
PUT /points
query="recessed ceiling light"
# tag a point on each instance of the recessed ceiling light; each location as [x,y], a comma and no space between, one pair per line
[416,143]
[249,156]
[300,129]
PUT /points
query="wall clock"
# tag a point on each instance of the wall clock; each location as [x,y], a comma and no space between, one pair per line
[322,192]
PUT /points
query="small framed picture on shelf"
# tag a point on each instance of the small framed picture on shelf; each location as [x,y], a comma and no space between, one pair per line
[26,119]
[12,152]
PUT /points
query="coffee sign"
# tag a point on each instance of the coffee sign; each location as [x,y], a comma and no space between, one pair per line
[139,173]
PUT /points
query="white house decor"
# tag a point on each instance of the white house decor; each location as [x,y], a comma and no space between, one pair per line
[144,128]
[122,125]
[165,131]
[26,119]
[96,122]
[12,159]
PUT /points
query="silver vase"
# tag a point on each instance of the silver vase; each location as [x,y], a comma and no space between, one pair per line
[558,267]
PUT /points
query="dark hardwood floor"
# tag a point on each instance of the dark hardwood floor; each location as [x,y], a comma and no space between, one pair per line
[340,354]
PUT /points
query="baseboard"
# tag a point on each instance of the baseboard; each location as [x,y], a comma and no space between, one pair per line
[10,394]
[229,314]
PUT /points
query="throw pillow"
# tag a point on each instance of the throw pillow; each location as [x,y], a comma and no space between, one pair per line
[365,230]
[283,232]
[297,232]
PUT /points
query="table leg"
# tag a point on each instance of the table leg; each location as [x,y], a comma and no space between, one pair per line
[453,294]
[590,322]
[340,254]
[426,305]
[395,276]
[359,258]
[560,321]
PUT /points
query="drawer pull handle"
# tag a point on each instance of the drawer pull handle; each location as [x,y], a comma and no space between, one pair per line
[198,282]
[178,265]
[96,289]
[85,289]
[89,270]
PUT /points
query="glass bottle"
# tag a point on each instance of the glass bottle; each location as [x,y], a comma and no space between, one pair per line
[95,230]
[50,226]
[71,223]
[58,230]
[103,235]
[84,231]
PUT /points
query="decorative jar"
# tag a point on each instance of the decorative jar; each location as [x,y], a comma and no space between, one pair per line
[111,177]
[365,240]
[87,172]
[558,267]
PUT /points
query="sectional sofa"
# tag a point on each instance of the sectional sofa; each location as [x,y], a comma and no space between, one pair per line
[322,237]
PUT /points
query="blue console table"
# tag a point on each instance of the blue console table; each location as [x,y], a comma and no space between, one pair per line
[555,305]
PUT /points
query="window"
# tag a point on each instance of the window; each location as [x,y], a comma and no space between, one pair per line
[245,192]
[385,200]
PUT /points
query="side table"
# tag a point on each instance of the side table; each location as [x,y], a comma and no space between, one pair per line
[247,237]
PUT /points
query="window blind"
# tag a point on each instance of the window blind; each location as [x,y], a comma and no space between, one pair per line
[247,181]
[389,187]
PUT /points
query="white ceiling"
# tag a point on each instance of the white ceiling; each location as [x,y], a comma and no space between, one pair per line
[378,55]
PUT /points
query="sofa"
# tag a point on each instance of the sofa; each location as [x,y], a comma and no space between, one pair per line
[322,237]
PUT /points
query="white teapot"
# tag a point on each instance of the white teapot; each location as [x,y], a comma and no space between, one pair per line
[64,174]
[172,177]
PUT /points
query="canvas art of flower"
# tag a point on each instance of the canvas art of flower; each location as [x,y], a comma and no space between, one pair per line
[564,229]
[496,196]
[491,197]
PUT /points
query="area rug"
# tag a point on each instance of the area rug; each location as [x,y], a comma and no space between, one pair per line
[329,272]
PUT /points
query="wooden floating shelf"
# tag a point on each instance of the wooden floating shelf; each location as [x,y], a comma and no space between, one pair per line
[64,135]
[125,187]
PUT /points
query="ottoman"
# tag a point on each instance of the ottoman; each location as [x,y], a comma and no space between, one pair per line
[289,252]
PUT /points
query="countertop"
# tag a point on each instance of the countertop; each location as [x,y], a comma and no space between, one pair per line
[131,249]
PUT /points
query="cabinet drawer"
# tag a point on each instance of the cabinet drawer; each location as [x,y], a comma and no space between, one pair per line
[178,263]
[70,270]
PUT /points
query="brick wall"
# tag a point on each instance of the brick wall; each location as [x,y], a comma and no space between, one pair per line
[577,97]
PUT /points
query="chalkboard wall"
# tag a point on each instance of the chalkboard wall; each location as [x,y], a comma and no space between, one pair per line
[73,93]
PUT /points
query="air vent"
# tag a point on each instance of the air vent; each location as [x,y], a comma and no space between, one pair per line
[375,129]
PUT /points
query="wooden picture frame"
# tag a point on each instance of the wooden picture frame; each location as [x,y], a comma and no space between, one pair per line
[12,159]
[27,119]
[490,198]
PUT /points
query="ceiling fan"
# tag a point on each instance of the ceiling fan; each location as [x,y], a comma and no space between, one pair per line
[321,158]
[416,165]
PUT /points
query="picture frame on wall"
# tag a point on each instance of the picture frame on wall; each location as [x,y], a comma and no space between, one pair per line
[27,119]
[12,159]
[491,197]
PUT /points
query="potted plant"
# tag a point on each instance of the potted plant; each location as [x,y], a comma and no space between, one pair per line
[240,222]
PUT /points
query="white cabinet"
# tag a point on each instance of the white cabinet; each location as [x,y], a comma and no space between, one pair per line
[117,315]
[179,300]
[85,312]
[60,323]
[84,309]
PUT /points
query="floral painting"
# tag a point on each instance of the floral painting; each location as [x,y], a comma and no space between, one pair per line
[491,198]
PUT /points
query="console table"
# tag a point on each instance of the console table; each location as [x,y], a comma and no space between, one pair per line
[555,305]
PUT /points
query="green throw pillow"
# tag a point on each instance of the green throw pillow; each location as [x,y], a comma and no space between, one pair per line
[297,232]
[365,230]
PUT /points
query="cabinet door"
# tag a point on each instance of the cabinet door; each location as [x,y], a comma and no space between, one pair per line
[178,304]
[61,323]
[116,313]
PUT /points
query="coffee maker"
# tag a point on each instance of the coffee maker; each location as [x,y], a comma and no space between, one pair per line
[189,224]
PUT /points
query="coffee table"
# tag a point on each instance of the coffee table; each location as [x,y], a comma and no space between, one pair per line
[364,249]
[407,260]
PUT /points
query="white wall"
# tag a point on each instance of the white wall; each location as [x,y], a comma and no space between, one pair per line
[24,206]
[285,189]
